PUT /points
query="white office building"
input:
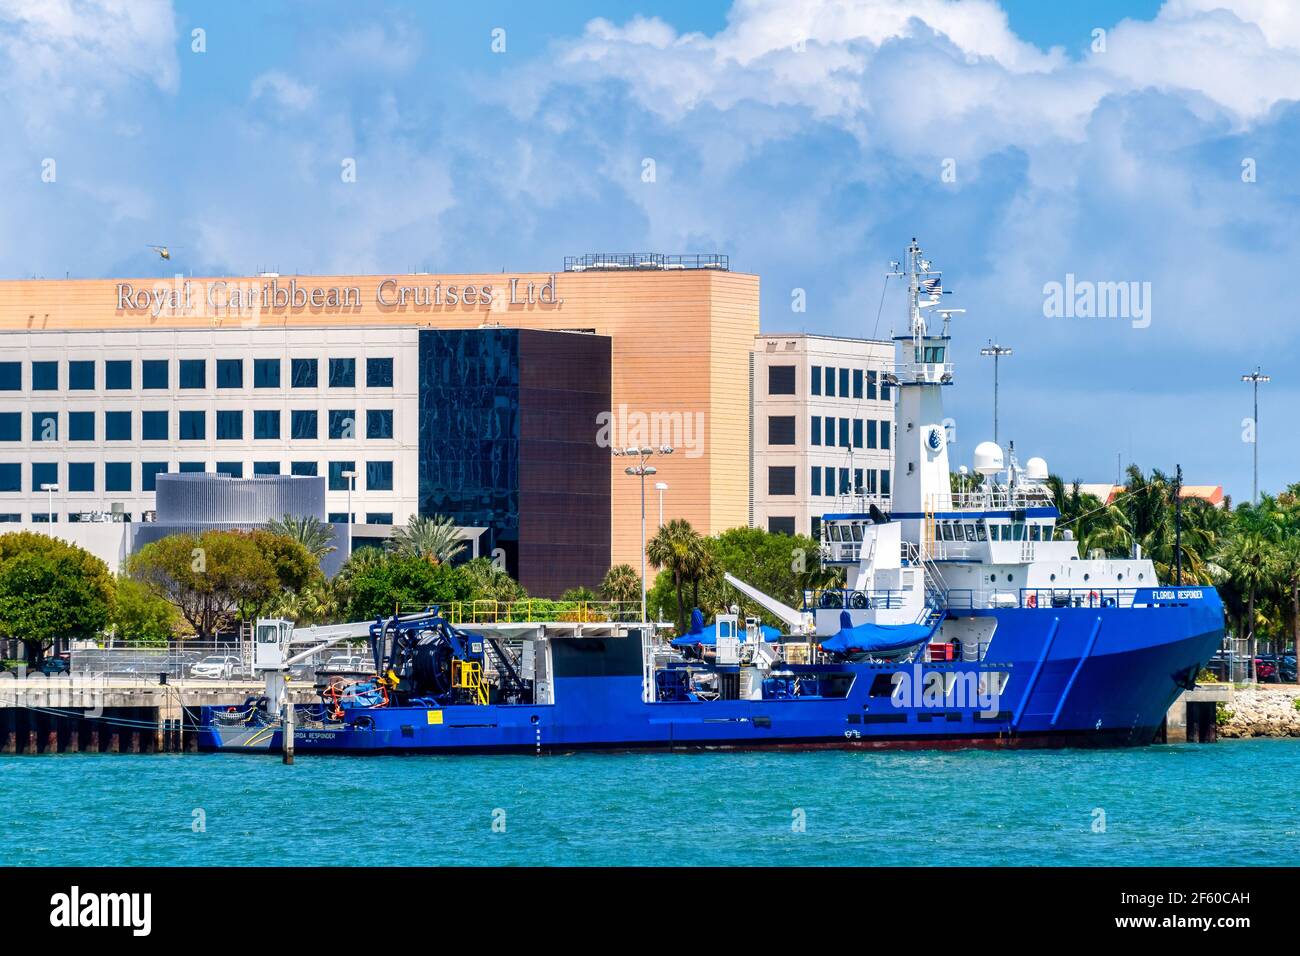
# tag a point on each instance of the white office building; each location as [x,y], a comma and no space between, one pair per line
[822,429]
[88,419]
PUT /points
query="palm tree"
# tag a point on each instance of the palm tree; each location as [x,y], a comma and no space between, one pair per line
[1245,563]
[489,582]
[435,538]
[309,531]
[681,550]
[622,584]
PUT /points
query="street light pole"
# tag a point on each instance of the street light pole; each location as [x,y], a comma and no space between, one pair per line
[1255,378]
[640,470]
[661,487]
[51,489]
[997,351]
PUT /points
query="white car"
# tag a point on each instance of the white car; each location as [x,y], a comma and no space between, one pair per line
[347,664]
[217,667]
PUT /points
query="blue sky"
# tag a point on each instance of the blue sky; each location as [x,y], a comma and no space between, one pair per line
[807,139]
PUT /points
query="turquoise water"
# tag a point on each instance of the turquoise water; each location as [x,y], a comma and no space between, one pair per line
[1229,803]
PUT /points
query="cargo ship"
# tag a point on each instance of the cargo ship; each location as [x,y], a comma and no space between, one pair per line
[966,619]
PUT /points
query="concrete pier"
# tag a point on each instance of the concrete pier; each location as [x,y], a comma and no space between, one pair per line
[97,715]
[1193,718]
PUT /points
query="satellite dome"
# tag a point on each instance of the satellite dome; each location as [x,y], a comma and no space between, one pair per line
[988,458]
[1036,469]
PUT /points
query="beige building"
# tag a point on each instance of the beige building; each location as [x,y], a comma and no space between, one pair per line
[823,427]
[681,329]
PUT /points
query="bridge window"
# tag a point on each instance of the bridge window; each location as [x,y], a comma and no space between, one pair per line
[981,533]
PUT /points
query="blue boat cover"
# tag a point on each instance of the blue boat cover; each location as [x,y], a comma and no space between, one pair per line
[873,638]
[708,636]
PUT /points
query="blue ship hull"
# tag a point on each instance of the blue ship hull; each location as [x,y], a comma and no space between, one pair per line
[1075,676]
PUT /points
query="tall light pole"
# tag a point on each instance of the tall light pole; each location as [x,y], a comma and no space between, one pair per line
[351,477]
[1255,378]
[661,487]
[997,351]
[640,470]
[51,488]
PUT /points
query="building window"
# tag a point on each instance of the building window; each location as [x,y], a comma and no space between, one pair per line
[844,481]
[44,473]
[379,476]
[266,423]
[844,383]
[11,477]
[153,426]
[266,373]
[844,433]
[830,382]
[815,527]
[302,372]
[884,390]
[153,373]
[815,432]
[816,487]
[780,380]
[302,425]
[857,433]
[379,423]
[266,467]
[379,373]
[780,480]
[11,376]
[81,376]
[189,467]
[343,423]
[235,469]
[117,427]
[781,526]
[857,481]
[117,476]
[303,468]
[337,517]
[816,379]
[780,429]
[81,426]
[45,376]
[830,432]
[117,374]
[884,434]
[194,373]
[884,481]
[230,373]
[379,517]
[193,426]
[336,481]
[81,476]
[149,472]
[230,424]
[871,385]
[343,373]
[45,426]
[871,433]
[857,383]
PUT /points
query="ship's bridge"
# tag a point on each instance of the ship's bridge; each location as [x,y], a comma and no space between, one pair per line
[928,365]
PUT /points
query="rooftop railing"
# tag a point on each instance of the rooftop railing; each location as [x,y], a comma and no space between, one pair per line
[644,261]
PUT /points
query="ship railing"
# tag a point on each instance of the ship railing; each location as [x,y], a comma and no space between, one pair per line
[1076,597]
[534,609]
[855,600]
[646,261]
[992,499]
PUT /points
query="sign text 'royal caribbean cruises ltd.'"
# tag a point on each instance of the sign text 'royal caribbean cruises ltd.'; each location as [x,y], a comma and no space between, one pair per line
[250,297]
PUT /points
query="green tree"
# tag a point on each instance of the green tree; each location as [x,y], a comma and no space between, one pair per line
[296,569]
[310,532]
[489,582]
[622,587]
[433,538]
[378,587]
[50,589]
[142,617]
[1244,561]
[207,577]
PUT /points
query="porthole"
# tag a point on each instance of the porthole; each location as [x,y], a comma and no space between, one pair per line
[1140,575]
[1008,577]
[1087,576]
[1120,576]
[1052,577]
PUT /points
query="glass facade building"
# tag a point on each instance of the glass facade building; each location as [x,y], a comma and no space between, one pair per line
[508,427]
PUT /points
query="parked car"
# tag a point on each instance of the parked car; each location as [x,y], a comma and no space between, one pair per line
[218,667]
[347,664]
[54,665]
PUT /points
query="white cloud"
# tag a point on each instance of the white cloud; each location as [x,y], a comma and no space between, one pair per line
[284,90]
